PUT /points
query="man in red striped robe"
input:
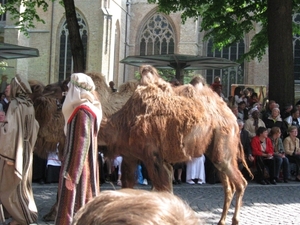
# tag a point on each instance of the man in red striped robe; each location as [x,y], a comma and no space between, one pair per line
[79,181]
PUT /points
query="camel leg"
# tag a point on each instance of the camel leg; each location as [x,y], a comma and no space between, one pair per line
[160,173]
[228,195]
[128,166]
[169,169]
[240,185]
[233,181]
[51,215]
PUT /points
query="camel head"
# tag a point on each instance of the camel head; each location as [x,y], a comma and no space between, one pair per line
[57,91]
[148,75]
[37,89]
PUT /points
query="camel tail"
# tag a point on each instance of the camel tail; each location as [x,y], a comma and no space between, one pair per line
[241,158]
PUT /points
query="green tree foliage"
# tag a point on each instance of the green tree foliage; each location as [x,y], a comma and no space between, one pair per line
[227,21]
[27,18]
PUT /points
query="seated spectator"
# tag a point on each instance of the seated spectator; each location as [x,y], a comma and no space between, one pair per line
[275,121]
[195,170]
[259,108]
[297,105]
[267,111]
[294,120]
[247,93]
[292,148]
[253,123]
[245,140]
[131,206]
[2,116]
[287,111]
[242,111]
[230,101]
[235,112]
[262,150]
[279,155]
[239,95]
[253,99]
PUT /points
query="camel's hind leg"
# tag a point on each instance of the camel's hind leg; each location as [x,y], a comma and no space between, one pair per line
[159,172]
[228,195]
[240,185]
[233,182]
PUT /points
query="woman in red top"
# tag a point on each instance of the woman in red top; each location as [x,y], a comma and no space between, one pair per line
[262,150]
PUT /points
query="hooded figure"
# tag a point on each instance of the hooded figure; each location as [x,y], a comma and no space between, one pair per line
[79,181]
[17,138]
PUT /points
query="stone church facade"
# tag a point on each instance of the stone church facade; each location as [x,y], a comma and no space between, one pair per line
[114,29]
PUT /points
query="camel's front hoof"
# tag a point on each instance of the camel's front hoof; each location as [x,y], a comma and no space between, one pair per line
[50,216]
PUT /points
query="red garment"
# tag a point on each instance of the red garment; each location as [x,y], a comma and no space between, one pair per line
[256,146]
[214,85]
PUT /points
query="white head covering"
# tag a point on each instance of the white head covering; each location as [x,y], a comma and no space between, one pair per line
[80,93]
[253,110]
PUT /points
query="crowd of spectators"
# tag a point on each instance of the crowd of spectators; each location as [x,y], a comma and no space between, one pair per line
[269,130]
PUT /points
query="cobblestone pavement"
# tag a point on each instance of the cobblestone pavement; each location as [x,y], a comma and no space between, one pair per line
[269,204]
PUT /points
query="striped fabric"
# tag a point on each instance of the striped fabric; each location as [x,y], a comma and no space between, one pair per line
[80,164]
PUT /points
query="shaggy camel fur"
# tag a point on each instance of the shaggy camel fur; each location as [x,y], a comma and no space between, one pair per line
[48,114]
[159,127]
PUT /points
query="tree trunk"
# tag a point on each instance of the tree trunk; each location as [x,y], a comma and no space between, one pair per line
[74,35]
[281,66]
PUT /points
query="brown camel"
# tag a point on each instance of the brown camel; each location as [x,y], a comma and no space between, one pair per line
[159,127]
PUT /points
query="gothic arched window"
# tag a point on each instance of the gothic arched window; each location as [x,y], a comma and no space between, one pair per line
[233,75]
[65,55]
[157,37]
[296,46]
